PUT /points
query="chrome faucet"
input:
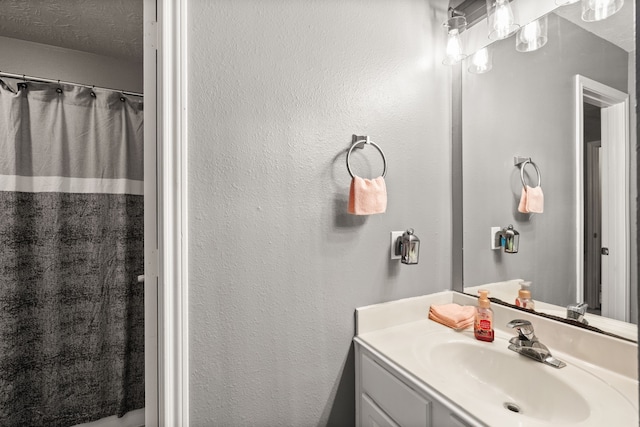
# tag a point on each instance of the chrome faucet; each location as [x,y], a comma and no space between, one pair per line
[527,344]
[577,311]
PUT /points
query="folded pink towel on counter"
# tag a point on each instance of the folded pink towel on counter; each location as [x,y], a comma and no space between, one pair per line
[453,315]
[367,196]
[531,200]
[458,326]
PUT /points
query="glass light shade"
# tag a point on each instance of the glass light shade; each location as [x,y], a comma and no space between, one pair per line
[597,10]
[481,61]
[502,23]
[532,36]
[454,51]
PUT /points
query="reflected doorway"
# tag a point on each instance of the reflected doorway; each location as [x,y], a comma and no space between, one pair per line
[593,250]
[602,173]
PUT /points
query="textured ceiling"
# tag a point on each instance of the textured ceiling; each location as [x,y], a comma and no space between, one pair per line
[105,27]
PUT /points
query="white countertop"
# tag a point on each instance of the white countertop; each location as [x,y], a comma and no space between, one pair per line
[397,330]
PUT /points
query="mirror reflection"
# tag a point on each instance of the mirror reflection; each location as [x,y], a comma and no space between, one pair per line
[548,153]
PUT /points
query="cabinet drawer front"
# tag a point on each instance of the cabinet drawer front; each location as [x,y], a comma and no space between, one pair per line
[401,403]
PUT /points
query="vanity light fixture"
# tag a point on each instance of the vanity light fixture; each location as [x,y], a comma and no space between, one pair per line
[455,25]
[481,61]
[500,18]
[597,10]
[532,36]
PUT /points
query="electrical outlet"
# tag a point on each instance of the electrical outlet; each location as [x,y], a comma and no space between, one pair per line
[494,230]
[394,240]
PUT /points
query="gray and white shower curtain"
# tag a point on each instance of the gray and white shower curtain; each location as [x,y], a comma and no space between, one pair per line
[71,249]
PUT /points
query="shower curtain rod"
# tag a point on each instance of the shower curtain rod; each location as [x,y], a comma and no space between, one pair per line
[43,80]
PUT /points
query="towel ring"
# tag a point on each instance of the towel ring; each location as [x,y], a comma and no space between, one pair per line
[524,184]
[364,142]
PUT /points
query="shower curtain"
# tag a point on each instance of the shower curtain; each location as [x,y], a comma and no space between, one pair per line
[71,250]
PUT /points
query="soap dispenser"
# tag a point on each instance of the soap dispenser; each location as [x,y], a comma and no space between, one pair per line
[408,247]
[524,296]
[483,325]
[509,239]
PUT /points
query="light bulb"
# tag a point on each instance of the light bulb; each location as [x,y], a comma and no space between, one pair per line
[530,32]
[454,52]
[501,20]
[532,36]
[481,61]
[454,48]
[600,8]
[597,10]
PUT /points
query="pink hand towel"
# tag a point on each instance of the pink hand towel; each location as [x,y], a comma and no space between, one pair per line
[535,200]
[367,196]
[531,200]
[458,326]
[522,207]
[453,315]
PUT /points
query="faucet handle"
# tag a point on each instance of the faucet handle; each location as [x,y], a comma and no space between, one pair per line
[524,328]
[577,311]
[579,307]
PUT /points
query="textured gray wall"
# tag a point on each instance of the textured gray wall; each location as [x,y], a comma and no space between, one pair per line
[277,267]
[524,107]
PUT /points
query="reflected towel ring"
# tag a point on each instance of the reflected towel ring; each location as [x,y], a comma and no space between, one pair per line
[524,184]
[364,142]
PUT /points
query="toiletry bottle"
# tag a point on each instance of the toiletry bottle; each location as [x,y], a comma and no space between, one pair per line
[524,297]
[483,326]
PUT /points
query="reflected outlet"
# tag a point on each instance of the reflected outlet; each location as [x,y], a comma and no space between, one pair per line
[394,239]
[494,230]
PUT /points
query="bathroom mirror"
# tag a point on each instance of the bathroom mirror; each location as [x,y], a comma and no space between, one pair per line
[568,105]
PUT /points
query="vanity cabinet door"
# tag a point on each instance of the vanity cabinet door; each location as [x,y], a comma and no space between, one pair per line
[402,404]
[384,399]
[372,415]
[443,417]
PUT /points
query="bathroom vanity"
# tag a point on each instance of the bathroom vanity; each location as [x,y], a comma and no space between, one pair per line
[411,371]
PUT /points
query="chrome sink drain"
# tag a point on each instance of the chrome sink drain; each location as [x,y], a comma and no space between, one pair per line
[512,407]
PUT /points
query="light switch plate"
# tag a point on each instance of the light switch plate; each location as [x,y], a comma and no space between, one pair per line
[394,239]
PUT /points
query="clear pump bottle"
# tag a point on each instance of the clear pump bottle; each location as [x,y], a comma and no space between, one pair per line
[524,297]
[483,326]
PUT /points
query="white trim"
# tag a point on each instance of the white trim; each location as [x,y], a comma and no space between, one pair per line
[615,128]
[173,335]
[579,198]
[151,238]
[61,184]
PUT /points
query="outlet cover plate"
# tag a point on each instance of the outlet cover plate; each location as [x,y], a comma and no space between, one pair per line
[494,230]
[394,239]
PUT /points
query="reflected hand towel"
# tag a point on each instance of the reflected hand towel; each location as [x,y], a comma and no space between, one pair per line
[531,200]
[367,196]
[535,200]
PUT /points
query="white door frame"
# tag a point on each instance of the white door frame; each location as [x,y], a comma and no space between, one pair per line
[165,176]
[615,194]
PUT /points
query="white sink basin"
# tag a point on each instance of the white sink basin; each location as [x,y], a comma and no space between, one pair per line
[518,390]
